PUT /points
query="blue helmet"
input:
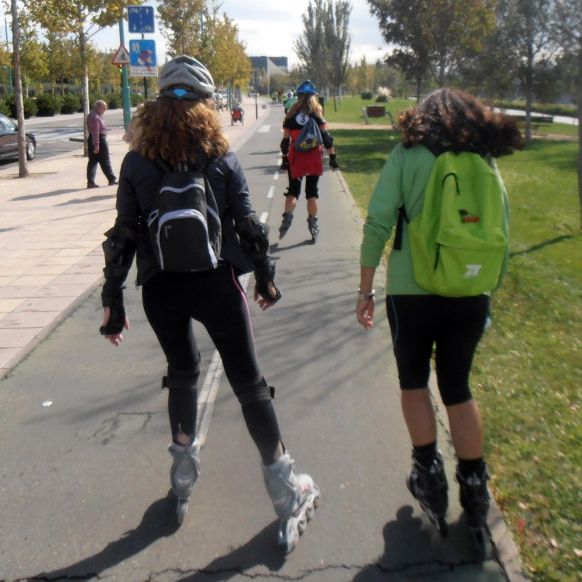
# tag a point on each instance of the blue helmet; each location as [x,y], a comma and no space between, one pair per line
[306,88]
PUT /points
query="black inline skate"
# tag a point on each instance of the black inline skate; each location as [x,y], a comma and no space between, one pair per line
[474,498]
[313,225]
[285,224]
[428,484]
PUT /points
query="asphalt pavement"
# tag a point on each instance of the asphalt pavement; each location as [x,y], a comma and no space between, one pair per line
[84,491]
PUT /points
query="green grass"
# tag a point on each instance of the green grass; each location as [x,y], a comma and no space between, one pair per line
[349,110]
[528,370]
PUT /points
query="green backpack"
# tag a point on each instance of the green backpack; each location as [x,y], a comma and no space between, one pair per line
[457,242]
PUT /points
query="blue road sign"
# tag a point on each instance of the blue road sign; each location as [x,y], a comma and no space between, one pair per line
[140,19]
[142,58]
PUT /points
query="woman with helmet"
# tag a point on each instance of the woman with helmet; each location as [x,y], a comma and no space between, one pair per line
[178,128]
[301,164]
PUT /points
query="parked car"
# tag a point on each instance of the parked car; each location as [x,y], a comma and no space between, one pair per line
[9,140]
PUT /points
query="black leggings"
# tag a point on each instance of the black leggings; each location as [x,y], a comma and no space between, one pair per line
[215,299]
[311,186]
[455,325]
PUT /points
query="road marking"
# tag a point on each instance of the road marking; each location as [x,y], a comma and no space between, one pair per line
[264,129]
[209,390]
[271,192]
[276,175]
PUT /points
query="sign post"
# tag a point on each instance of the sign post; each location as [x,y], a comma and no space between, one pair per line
[141,20]
[124,79]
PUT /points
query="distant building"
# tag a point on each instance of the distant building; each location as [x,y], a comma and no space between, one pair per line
[273,65]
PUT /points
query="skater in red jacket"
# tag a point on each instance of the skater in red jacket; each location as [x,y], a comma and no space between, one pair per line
[304,157]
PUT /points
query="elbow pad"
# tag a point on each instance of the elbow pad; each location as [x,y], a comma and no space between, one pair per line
[254,236]
[119,250]
[327,139]
[285,145]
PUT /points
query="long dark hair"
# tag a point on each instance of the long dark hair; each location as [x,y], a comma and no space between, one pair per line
[453,118]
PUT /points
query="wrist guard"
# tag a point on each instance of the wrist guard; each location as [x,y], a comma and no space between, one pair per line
[265,274]
[285,145]
[333,162]
[116,316]
[254,236]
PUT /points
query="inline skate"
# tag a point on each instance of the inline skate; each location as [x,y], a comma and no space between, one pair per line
[313,225]
[184,474]
[474,498]
[285,224]
[428,484]
[295,497]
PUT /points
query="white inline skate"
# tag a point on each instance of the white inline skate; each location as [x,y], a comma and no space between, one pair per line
[313,226]
[295,497]
[183,475]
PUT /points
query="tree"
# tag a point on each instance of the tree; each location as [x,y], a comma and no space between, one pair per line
[82,19]
[528,40]
[432,36]
[182,25]
[324,47]
[568,24]
[22,164]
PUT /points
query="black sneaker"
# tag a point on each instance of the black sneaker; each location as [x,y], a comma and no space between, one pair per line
[92,185]
[113,182]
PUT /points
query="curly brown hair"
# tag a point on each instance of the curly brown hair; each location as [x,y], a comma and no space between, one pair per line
[306,104]
[179,131]
[453,118]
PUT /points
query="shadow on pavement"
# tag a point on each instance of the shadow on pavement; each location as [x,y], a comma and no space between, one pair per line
[153,526]
[88,199]
[259,551]
[45,194]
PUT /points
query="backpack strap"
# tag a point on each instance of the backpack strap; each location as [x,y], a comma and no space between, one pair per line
[181,166]
[402,216]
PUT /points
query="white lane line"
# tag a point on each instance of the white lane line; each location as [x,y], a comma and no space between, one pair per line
[276,175]
[209,390]
[264,129]
[271,192]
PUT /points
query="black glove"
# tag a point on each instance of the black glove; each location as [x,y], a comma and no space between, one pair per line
[285,163]
[333,162]
[116,316]
[265,274]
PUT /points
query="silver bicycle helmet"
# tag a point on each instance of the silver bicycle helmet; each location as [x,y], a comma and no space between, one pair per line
[185,78]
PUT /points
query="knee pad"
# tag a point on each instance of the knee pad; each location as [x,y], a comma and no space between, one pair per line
[257,391]
[181,379]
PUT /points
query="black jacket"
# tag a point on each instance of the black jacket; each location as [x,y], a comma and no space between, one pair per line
[139,183]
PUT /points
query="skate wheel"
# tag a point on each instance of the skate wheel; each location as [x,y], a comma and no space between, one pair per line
[480,541]
[302,525]
[181,511]
[442,526]
[309,513]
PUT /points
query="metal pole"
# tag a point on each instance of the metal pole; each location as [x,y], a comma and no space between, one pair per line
[145,80]
[124,83]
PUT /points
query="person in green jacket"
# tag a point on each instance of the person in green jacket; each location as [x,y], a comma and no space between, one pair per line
[418,320]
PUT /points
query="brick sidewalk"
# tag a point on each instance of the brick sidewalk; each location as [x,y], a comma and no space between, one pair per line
[50,240]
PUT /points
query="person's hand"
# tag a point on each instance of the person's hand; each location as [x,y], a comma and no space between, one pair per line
[273,296]
[333,162]
[365,312]
[115,338]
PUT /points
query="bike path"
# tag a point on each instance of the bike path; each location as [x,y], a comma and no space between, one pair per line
[84,485]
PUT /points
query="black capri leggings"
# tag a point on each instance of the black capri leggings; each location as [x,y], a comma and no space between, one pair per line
[215,299]
[454,325]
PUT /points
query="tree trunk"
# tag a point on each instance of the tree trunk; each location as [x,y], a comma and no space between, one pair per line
[22,164]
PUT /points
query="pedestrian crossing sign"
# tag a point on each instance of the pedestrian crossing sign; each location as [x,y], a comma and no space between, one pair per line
[121,57]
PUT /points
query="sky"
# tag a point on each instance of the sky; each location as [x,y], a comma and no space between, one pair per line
[270,28]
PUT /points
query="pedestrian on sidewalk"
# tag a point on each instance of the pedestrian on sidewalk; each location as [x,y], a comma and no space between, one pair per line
[98,148]
[447,119]
[304,164]
[181,127]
